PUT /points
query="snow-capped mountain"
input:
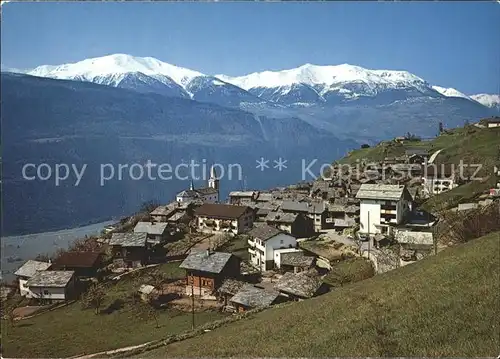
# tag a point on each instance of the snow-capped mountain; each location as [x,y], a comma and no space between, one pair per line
[147,74]
[345,82]
[491,101]
[450,92]
[112,65]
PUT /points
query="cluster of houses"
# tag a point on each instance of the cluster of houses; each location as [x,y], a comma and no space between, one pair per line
[218,276]
[369,200]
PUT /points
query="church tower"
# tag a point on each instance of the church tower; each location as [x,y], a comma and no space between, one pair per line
[213,181]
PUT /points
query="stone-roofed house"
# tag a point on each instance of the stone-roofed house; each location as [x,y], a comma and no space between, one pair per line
[294,261]
[28,270]
[52,285]
[156,231]
[298,225]
[228,289]
[249,297]
[161,213]
[382,207]
[206,271]
[298,286]
[84,264]
[225,218]
[264,197]
[317,211]
[242,198]
[264,241]
[129,249]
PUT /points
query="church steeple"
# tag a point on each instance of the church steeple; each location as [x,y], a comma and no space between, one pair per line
[191,186]
[213,181]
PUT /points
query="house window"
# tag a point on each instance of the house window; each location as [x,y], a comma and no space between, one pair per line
[45,292]
[281,241]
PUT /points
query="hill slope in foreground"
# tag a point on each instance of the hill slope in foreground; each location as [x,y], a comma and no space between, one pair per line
[444,305]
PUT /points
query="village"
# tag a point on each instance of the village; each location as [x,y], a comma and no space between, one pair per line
[257,248]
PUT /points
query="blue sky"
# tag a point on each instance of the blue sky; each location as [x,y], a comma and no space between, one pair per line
[451,44]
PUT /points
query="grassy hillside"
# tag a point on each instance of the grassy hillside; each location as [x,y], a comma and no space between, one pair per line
[471,145]
[444,305]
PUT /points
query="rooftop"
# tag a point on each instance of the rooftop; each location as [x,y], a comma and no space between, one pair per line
[380,191]
[242,193]
[231,286]
[31,267]
[206,190]
[128,239]
[221,210]
[56,279]
[150,228]
[253,297]
[264,232]
[77,259]
[302,284]
[296,259]
[281,217]
[204,262]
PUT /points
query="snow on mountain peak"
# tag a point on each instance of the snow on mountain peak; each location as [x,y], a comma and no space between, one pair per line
[450,92]
[116,64]
[487,100]
[324,75]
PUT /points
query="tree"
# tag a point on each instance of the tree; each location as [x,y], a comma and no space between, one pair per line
[94,297]
[157,278]
[441,128]
[145,309]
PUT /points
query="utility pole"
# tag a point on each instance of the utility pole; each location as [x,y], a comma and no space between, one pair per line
[192,302]
[369,238]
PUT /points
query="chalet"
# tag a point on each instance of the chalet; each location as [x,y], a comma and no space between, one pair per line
[382,206]
[439,178]
[52,285]
[129,249]
[298,225]
[83,264]
[493,122]
[27,271]
[299,286]
[264,240]
[293,260]
[262,210]
[156,231]
[242,198]
[249,297]
[206,271]
[224,218]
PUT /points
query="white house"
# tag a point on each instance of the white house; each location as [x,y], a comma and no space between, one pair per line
[52,285]
[28,270]
[224,218]
[264,241]
[439,178]
[382,206]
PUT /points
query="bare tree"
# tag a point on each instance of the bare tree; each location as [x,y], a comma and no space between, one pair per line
[146,310]
[157,278]
[94,297]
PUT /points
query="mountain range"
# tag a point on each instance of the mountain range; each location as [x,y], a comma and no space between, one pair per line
[349,101]
[124,109]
